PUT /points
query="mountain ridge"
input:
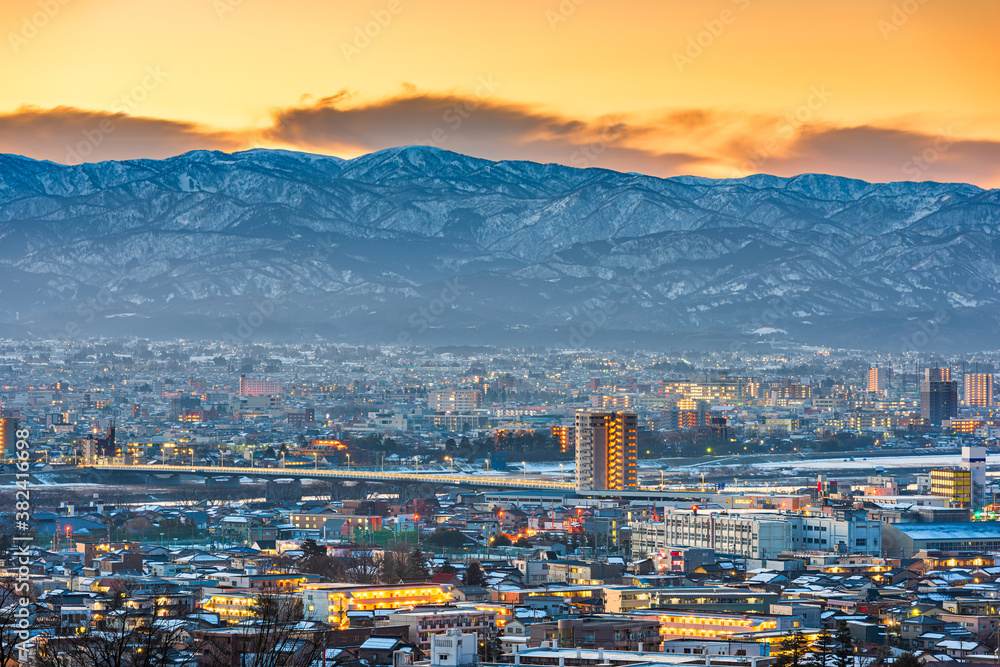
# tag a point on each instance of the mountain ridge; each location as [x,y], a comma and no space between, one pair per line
[355,247]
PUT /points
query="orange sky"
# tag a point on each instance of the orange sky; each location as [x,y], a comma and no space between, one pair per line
[881,90]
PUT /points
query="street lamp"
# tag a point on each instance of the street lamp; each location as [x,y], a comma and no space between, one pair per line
[348,464]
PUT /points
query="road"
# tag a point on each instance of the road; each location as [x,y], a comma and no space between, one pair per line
[509,481]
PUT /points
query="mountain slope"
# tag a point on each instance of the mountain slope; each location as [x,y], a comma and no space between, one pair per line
[419,244]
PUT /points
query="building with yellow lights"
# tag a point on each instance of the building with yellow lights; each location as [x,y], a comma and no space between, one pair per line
[8,437]
[954,484]
[566,437]
[698,598]
[331,602]
[878,379]
[979,390]
[454,400]
[606,456]
[232,606]
[676,624]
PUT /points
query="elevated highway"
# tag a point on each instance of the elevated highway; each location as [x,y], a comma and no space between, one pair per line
[451,479]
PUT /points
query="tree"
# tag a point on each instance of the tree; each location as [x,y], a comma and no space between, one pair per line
[8,605]
[360,567]
[843,655]
[474,575]
[416,565]
[906,659]
[273,638]
[824,649]
[793,648]
[449,539]
[392,565]
[127,630]
[447,568]
[311,548]
[501,540]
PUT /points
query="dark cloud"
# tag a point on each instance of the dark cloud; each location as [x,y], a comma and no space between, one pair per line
[70,136]
[476,126]
[881,154]
[707,142]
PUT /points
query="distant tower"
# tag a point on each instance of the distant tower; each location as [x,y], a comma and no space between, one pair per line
[606,450]
[979,390]
[938,396]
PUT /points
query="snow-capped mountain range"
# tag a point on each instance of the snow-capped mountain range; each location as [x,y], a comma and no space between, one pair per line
[422,245]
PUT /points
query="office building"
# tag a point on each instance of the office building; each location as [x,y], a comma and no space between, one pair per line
[454,400]
[758,535]
[249,387]
[955,484]
[938,396]
[979,390]
[606,450]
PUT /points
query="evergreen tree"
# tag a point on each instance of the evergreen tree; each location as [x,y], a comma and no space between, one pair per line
[824,649]
[474,575]
[310,548]
[793,648]
[416,565]
[906,660]
[843,655]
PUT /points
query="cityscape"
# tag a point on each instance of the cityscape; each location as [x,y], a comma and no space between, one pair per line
[525,333]
[371,505]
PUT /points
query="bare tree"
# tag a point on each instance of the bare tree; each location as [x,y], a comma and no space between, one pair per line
[8,606]
[128,629]
[361,567]
[276,637]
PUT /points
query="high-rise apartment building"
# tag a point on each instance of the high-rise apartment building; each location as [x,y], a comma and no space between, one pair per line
[606,450]
[938,396]
[8,437]
[979,390]
[878,379]
[454,400]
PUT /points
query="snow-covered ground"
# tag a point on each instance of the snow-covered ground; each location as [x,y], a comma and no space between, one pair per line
[860,462]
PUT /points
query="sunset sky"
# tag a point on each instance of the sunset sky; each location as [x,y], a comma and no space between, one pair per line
[876,89]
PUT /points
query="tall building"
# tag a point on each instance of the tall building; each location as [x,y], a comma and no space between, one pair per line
[937,374]
[250,387]
[8,437]
[974,461]
[938,396]
[878,379]
[566,436]
[979,390]
[454,400]
[606,450]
